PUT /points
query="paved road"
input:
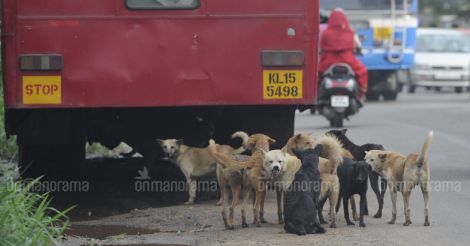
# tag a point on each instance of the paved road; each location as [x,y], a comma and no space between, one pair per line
[400,126]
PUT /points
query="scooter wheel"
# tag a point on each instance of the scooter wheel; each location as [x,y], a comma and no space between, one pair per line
[337,121]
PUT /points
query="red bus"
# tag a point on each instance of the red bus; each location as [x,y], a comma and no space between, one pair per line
[135,70]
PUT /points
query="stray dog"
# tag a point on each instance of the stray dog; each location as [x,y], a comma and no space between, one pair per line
[236,174]
[331,158]
[300,141]
[359,153]
[195,162]
[403,173]
[302,196]
[280,169]
[353,180]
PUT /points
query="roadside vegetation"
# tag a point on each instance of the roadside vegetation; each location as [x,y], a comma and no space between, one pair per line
[26,217]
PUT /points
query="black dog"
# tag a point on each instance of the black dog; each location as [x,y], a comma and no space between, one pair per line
[359,152]
[353,180]
[300,213]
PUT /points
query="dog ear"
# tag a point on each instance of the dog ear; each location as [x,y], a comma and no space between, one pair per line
[343,131]
[383,157]
[271,141]
[366,152]
[180,141]
[160,142]
[297,136]
[298,153]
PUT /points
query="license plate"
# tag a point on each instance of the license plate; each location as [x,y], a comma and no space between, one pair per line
[42,90]
[340,101]
[282,84]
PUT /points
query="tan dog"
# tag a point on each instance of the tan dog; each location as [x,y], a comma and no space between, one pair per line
[330,160]
[196,162]
[403,173]
[243,175]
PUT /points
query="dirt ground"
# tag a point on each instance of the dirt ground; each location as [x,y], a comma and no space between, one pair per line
[201,224]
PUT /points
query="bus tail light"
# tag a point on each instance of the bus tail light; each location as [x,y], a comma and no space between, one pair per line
[282,58]
[41,62]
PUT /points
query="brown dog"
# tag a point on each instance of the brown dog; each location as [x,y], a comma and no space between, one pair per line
[403,173]
[196,162]
[241,174]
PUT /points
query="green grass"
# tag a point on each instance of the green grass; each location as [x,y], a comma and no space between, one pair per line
[26,218]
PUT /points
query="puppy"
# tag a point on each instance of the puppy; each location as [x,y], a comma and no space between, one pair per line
[195,162]
[331,158]
[251,178]
[358,153]
[403,173]
[302,196]
[353,180]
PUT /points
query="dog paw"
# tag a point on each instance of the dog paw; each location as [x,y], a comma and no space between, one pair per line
[189,203]
[391,222]
[263,221]
[231,227]
[245,225]
[333,225]
[281,222]
[323,222]
[426,223]
[349,223]
[258,225]
[362,225]
[407,223]
[377,215]
[355,217]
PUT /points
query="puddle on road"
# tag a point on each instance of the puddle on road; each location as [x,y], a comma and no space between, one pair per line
[102,232]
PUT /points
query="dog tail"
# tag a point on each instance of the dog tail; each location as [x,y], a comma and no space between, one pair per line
[225,160]
[244,137]
[332,149]
[424,151]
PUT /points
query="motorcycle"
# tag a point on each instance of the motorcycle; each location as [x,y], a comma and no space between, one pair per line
[338,94]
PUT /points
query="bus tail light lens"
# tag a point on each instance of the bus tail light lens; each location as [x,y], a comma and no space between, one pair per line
[282,58]
[41,62]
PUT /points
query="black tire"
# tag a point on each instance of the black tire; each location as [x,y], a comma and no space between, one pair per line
[337,121]
[437,88]
[372,96]
[313,110]
[400,87]
[390,95]
[458,89]
[411,89]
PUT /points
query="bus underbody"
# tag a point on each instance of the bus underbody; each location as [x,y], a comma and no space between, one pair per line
[52,141]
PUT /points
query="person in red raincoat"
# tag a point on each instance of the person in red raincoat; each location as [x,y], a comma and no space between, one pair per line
[337,46]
